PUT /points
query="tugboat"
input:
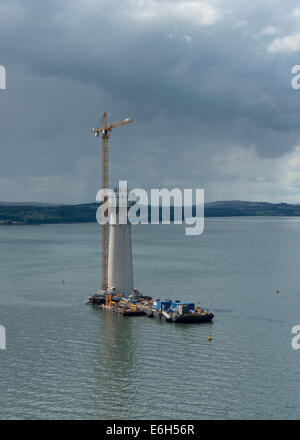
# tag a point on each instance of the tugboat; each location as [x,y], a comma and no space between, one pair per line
[178,311]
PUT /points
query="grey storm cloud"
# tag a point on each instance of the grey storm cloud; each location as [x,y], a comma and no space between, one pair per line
[207,82]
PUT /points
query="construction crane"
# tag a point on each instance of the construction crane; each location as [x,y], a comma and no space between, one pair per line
[105,130]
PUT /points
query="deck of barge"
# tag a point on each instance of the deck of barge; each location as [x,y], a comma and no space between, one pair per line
[145,306]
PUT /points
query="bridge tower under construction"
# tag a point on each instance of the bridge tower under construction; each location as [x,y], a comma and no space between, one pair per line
[120,271]
[117,272]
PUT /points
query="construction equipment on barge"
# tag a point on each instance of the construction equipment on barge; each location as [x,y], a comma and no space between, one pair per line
[181,312]
[177,311]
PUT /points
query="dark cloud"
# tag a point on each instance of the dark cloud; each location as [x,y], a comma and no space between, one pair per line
[203,87]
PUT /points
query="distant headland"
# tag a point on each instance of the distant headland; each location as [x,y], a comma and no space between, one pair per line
[31,213]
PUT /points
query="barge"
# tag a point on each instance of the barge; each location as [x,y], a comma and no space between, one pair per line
[138,305]
[178,311]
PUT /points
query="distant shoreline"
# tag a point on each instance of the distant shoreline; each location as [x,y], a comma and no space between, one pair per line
[35,214]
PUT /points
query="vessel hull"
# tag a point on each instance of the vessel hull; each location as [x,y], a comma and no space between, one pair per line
[196,319]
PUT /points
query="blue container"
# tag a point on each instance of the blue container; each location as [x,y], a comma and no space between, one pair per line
[163,305]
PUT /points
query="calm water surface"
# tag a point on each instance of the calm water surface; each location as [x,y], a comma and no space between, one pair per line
[65,359]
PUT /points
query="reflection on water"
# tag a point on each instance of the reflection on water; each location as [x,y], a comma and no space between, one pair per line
[68,360]
[115,371]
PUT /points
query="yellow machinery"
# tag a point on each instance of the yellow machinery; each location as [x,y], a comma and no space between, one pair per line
[108,300]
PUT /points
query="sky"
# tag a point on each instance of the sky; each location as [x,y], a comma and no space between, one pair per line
[208,84]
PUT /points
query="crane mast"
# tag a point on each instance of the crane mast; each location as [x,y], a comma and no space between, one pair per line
[105,131]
